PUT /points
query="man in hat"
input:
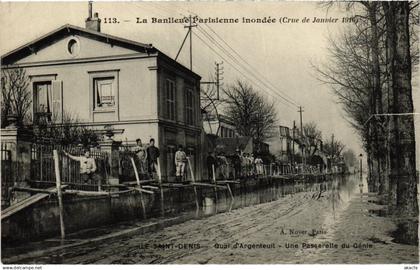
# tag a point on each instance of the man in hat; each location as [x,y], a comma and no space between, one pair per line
[152,157]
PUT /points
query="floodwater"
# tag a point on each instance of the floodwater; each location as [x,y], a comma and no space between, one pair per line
[326,222]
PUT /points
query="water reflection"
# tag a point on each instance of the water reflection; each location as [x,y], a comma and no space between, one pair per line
[336,191]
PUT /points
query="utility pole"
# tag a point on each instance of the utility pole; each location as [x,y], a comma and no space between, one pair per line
[218,73]
[189,33]
[293,142]
[190,26]
[219,78]
[301,132]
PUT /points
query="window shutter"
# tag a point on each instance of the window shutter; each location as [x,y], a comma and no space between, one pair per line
[165,108]
[57,101]
[175,103]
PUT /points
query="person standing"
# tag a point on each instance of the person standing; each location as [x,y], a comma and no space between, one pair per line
[222,165]
[152,157]
[87,165]
[244,164]
[180,162]
[252,161]
[259,166]
[237,162]
[211,163]
[141,154]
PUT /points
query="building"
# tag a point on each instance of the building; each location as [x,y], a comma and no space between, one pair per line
[106,80]
[228,146]
[221,126]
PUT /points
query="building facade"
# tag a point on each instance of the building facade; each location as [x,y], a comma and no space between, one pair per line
[220,126]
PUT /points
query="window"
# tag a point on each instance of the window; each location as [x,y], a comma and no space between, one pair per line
[73,47]
[42,102]
[222,129]
[189,106]
[170,99]
[103,95]
[104,92]
[47,101]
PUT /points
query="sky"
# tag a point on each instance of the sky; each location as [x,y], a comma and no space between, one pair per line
[279,54]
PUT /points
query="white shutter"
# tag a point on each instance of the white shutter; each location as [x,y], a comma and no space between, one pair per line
[57,101]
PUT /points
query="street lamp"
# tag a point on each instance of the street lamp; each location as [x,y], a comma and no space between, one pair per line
[360,165]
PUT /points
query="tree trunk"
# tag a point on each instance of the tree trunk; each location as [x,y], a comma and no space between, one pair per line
[376,101]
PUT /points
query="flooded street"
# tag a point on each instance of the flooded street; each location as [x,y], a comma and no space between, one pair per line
[325,222]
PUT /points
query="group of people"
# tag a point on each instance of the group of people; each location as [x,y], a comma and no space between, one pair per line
[244,164]
[148,157]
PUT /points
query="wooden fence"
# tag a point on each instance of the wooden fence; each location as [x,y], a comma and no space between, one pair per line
[126,167]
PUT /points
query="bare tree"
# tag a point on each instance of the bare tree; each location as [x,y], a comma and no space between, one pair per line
[253,115]
[370,73]
[402,138]
[333,148]
[349,158]
[70,131]
[311,136]
[16,97]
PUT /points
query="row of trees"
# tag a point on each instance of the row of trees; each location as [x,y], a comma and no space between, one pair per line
[370,71]
[256,117]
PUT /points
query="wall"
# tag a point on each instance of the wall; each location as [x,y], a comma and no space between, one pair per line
[175,132]
[136,89]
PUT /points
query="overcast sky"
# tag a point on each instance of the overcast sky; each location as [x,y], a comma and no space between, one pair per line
[280,53]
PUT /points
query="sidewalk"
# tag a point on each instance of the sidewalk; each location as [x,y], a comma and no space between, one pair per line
[368,235]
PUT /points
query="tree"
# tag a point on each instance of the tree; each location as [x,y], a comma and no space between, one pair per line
[371,74]
[350,158]
[311,136]
[402,139]
[252,114]
[69,132]
[16,97]
[333,148]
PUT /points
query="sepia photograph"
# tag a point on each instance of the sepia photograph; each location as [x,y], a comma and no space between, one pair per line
[267,133]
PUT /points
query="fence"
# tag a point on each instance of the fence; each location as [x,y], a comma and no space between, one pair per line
[226,170]
[43,172]
[126,167]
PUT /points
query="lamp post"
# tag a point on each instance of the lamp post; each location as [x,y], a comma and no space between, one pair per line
[360,165]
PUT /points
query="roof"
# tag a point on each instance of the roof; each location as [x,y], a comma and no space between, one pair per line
[229,145]
[220,118]
[69,29]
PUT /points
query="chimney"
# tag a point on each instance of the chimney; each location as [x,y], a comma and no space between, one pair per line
[93,23]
